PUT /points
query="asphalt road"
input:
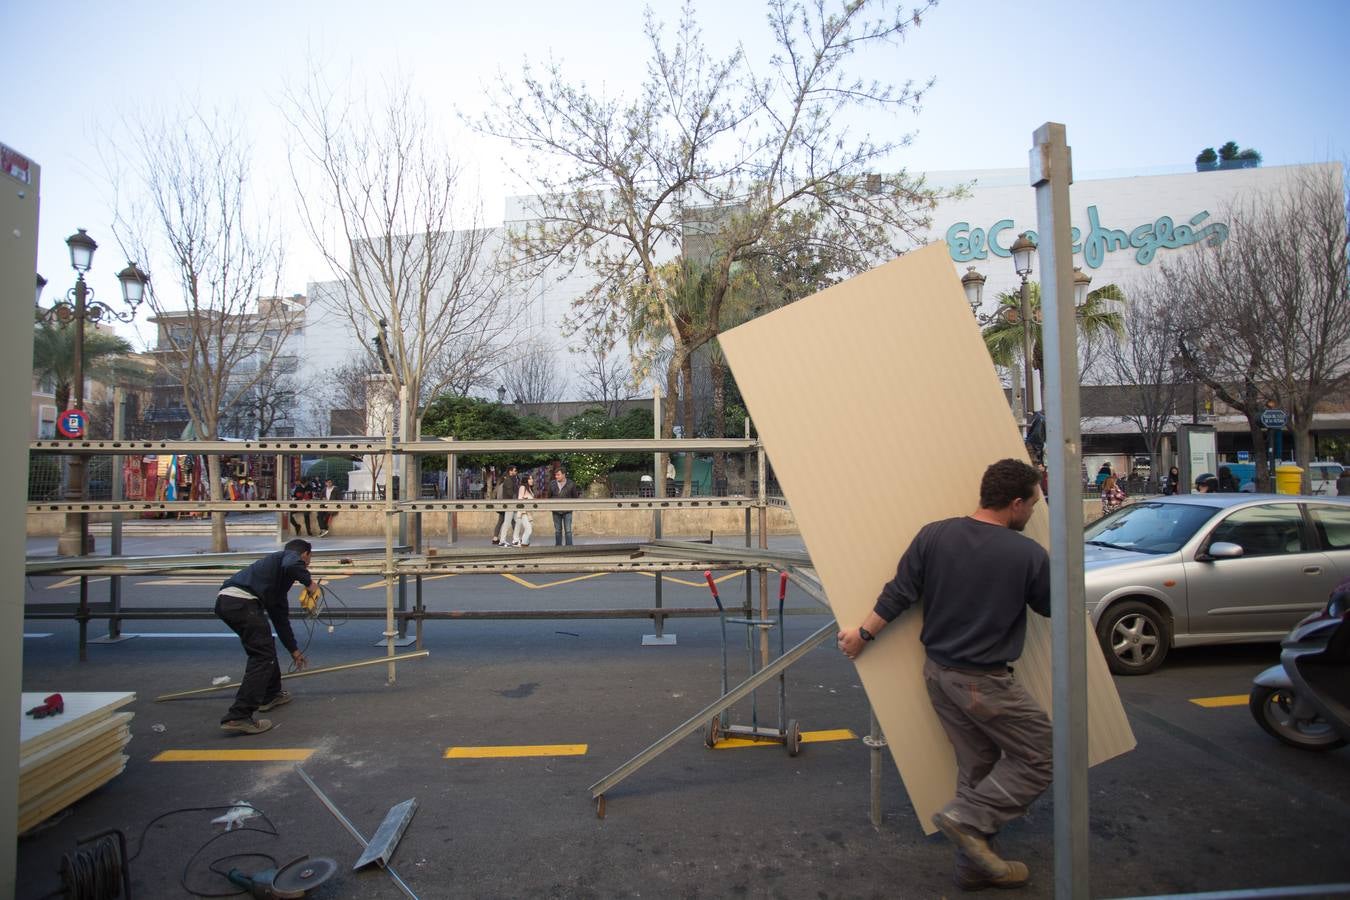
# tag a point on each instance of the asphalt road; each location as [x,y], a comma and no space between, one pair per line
[1207,801]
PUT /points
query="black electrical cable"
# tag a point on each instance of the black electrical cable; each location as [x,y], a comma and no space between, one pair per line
[322,615]
[93,872]
[270,830]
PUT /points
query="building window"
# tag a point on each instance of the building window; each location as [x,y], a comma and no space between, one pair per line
[46,423]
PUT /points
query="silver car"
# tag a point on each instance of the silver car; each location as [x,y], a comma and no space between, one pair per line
[1210,569]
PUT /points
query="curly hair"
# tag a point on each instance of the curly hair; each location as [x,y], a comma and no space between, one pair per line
[1005,481]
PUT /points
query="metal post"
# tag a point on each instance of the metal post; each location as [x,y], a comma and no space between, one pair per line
[390,632]
[452,491]
[1051,175]
[660,638]
[115,539]
[283,488]
[403,416]
[1028,394]
[74,540]
[875,743]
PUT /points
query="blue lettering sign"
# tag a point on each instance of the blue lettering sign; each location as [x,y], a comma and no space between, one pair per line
[967,243]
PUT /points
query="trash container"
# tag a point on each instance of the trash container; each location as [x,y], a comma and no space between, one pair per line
[1288,479]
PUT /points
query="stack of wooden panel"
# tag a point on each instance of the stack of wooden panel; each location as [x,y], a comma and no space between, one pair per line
[64,757]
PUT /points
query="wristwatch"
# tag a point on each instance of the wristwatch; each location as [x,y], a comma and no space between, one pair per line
[865,634]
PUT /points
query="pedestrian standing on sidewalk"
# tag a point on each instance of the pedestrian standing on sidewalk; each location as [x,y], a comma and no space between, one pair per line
[560,488]
[509,489]
[975,576]
[247,601]
[301,492]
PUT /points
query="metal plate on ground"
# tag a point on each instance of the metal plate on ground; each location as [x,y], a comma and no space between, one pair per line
[385,840]
[658,640]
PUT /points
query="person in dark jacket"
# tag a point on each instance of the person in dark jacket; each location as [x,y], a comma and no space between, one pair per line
[247,600]
[1227,483]
[301,492]
[976,576]
[562,487]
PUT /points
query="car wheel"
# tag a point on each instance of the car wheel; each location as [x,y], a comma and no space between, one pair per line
[1273,711]
[1134,638]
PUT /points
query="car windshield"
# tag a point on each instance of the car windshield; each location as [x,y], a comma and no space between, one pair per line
[1148,527]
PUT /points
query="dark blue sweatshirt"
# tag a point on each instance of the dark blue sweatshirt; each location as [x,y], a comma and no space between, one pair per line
[269,579]
[976,581]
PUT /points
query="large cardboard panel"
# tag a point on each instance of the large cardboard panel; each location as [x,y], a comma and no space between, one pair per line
[880,410]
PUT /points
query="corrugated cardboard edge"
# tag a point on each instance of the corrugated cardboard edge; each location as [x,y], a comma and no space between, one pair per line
[880,409]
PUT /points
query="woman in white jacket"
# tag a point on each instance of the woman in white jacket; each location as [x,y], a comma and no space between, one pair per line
[524,527]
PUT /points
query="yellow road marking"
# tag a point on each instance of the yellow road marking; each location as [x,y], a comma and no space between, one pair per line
[516,750]
[74,580]
[1216,702]
[538,587]
[275,755]
[808,737]
[696,584]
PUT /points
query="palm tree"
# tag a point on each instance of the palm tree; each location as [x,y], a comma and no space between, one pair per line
[1003,336]
[54,357]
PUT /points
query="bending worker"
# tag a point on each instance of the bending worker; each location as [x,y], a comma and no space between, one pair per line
[244,598]
[976,576]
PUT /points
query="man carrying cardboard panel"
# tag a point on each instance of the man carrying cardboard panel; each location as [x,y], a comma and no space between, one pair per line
[975,576]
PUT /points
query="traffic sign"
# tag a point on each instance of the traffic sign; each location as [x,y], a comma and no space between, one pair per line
[71,424]
[1273,418]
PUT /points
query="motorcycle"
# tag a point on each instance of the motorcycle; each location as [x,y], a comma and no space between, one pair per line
[1305,700]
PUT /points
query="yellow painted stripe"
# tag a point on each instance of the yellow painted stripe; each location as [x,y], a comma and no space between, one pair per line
[538,587]
[274,755]
[695,584]
[379,584]
[179,582]
[1216,702]
[516,750]
[808,737]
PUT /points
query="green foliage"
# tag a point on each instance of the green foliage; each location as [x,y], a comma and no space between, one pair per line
[470,419]
[1228,151]
[1207,156]
[54,357]
[1227,157]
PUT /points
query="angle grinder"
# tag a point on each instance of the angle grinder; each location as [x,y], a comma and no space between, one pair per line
[295,879]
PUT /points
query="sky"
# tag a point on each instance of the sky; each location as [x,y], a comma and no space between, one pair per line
[1142,87]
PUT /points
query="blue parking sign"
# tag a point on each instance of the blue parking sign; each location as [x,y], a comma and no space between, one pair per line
[71,424]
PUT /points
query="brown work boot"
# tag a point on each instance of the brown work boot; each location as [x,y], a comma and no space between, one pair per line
[974,845]
[246,726]
[281,699]
[970,877]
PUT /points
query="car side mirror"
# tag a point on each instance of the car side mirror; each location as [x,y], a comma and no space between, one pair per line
[1223,550]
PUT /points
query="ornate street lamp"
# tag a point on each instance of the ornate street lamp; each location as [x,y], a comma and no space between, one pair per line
[1081,280]
[78,306]
[973,284]
[1024,257]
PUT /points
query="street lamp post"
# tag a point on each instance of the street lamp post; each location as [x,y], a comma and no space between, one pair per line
[1024,256]
[78,306]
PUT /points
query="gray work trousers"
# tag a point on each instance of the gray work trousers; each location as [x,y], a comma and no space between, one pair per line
[1002,741]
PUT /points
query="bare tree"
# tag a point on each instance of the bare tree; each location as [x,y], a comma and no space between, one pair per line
[1146,361]
[752,158]
[1270,306]
[184,207]
[532,375]
[606,378]
[379,193]
[336,389]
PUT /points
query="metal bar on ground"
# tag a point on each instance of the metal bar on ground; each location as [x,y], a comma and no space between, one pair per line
[351,829]
[304,673]
[703,716]
[385,840]
[1051,175]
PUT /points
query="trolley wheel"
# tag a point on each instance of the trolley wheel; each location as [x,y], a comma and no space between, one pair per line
[714,732]
[600,807]
[792,737]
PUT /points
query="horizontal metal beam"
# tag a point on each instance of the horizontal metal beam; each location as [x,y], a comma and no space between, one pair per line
[303,673]
[780,558]
[40,565]
[102,611]
[399,506]
[704,716]
[374,444]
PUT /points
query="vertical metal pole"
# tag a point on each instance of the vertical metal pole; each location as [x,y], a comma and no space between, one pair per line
[1029,391]
[115,539]
[452,491]
[762,465]
[659,638]
[283,489]
[84,618]
[390,631]
[74,540]
[745,469]
[403,416]
[1051,175]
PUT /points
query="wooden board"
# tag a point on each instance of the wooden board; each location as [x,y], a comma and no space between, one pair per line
[34,812]
[71,764]
[101,727]
[880,410]
[83,708]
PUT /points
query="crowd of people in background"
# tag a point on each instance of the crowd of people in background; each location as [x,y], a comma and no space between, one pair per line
[514,528]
